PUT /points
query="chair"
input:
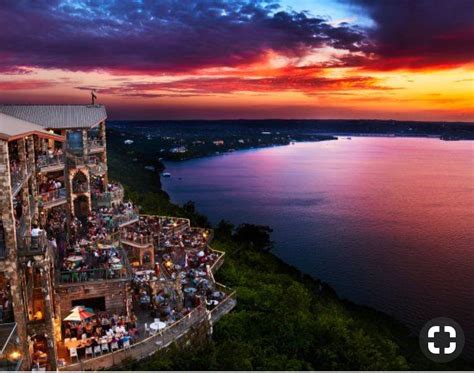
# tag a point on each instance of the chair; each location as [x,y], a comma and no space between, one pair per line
[114,346]
[147,329]
[105,347]
[97,350]
[126,344]
[73,353]
[74,339]
[67,340]
[157,321]
[89,352]
[84,336]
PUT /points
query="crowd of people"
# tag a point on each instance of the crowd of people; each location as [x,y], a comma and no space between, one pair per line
[100,333]
[181,278]
[50,157]
[50,189]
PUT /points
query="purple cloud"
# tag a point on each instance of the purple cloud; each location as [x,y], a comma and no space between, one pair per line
[153,37]
[420,33]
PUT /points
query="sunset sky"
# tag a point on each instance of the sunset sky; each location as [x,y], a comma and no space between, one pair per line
[393,59]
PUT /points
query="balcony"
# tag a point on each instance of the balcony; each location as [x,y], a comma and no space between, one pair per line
[95,145]
[74,160]
[97,168]
[45,163]
[53,198]
[128,217]
[116,271]
[107,198]
[30,246]
[136,240]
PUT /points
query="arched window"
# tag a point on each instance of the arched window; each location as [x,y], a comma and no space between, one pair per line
[80,183]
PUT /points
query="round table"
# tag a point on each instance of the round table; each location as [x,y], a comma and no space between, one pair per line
[75,258]
[155,326]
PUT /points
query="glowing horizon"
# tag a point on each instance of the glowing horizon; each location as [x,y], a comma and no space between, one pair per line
[244,59]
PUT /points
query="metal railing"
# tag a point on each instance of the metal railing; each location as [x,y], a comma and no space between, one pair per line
[94,144]
[74,160]
[225,305]
[147,346]
[97,168]
[18,177]
[96,274]
[53,196]
[142,240]
[88,275]
[44,161]
[220,260]
[106,198]
[125,218]
[29,245]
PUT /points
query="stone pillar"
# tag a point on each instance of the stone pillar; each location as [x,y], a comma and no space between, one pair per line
[33,181]
[102,135]
[49,311]
[85,143]
[11,263]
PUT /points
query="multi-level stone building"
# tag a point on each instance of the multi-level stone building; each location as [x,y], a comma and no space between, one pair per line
[68,240]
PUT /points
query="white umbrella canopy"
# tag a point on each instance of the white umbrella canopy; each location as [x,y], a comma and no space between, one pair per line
[79,313]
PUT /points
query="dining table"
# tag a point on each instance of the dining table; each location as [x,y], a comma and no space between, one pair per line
[157,325]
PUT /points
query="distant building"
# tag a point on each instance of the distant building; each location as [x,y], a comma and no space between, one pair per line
[179,149]
[218,142]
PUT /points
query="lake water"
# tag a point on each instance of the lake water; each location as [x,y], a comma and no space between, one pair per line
[387,222]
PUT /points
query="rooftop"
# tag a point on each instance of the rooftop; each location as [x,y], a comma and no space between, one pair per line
[57,116]
[12,127]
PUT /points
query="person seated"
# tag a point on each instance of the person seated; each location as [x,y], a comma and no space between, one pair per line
[38,315]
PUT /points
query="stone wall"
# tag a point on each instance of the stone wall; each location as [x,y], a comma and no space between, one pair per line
[10,264]
[115,292]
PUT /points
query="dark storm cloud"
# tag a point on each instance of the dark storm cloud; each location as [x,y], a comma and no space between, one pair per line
[419,33]
[158,36]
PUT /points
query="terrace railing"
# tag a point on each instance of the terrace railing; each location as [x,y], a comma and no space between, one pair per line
[220,260]
[127,217]
[18,177]
[98,168]
[106,198]
[45,161]
[147,346]
[137,240]
[74,160]
[225,305]
[53,196]
[29,246]
[96,274]
[95,145]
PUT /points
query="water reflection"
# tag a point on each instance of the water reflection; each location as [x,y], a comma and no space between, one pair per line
[388,222]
